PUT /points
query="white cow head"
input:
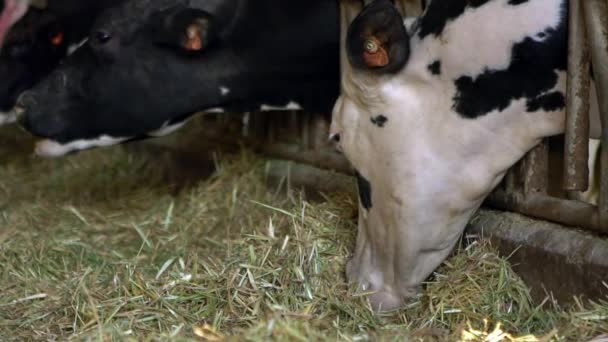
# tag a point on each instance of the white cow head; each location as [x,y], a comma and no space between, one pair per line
[432,119]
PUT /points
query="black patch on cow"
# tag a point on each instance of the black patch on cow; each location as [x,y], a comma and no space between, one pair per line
[532,72]
[549,102]
[517,2]
[435,68]
[379,120]
[365,191]
[439,13]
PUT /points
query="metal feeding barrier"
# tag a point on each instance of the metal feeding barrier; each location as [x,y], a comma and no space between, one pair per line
[540,185]
[532,187]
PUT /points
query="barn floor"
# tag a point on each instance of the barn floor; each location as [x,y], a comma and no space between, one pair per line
[107,244]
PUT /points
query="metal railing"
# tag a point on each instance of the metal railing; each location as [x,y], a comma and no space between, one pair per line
[528,187]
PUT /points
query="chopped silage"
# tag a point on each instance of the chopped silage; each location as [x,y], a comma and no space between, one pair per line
[101,246]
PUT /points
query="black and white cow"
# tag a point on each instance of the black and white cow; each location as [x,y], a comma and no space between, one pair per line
[432,114]
[149,65]
[39,41]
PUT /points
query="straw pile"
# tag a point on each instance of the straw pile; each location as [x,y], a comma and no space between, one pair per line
[99,245]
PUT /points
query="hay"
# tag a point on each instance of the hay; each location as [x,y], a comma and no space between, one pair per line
[99,246]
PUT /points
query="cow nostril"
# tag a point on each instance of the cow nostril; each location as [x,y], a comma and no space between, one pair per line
[335,137]
[25,101]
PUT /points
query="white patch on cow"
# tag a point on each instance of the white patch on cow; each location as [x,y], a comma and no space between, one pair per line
[50,148]
[224,91]
[290,106]
[214,110]
[481,27]
[8,117]
[74,47]
[167,129]
[409,23]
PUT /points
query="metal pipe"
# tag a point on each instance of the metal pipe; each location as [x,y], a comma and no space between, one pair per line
[319,132]
[305,123]
[326,159]
[576,149]
[535,169]
[596,19]
[571,213]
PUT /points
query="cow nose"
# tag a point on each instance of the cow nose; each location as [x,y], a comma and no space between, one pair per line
[26,100]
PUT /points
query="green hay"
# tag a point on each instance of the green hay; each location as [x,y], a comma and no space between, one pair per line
[100,246]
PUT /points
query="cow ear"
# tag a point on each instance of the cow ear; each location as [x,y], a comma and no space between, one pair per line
[188,29]
[377,39]
[194,28]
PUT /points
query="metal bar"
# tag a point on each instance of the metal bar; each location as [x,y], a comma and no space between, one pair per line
[571,213]
[535,169]
[319,132]
[576,149]
[326,159]
[305,120]
[271,128]
[511,180]
[258,126]
[596,19]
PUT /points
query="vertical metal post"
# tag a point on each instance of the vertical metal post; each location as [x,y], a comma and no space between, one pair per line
[576,149]
[305,118]
[319,132]
[596,19]
[535,170]
[271,127]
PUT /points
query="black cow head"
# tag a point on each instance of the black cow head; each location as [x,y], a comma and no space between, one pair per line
[32,48]
[148,65]
[39,41]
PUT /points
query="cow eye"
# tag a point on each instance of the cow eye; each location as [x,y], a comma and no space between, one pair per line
[57,38]
[102,37]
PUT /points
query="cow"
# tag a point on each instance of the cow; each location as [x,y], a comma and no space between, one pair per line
[148,65]
[432,114]
[39,41]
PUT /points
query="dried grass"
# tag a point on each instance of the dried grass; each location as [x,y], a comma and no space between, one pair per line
[99,246]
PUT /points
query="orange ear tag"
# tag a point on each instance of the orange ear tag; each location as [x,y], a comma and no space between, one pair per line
[57,39]
[194,40]
[374,54]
